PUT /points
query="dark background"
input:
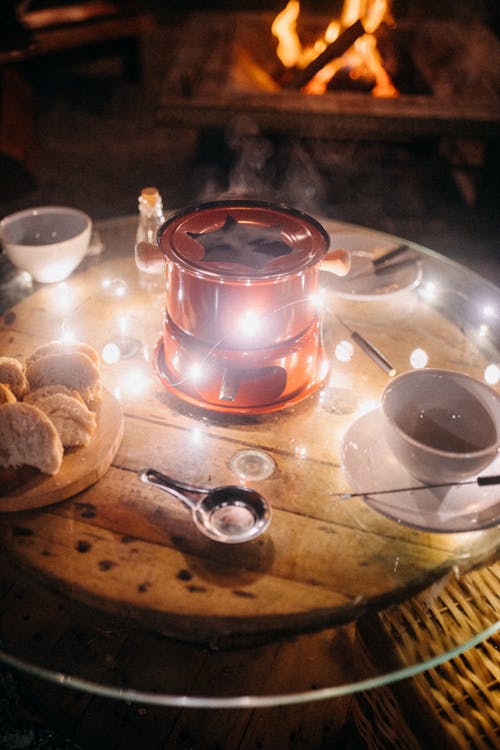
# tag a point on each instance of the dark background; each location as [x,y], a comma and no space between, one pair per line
[98,142]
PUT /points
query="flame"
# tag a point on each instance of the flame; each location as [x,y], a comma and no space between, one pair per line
[362,58]
[284,28]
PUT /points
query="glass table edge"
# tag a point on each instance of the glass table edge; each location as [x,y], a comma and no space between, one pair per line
[246,701]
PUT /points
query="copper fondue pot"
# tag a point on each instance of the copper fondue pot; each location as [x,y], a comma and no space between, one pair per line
[241,273]
[241,331]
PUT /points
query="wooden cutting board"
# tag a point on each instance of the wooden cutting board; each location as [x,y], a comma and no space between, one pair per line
[26,488]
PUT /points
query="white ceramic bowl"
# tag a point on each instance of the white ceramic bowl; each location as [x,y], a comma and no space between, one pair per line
[48,241]
[442,425]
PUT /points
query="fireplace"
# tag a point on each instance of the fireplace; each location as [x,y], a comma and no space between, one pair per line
[445,70]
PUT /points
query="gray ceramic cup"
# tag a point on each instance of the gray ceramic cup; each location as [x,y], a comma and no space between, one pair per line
[441,425]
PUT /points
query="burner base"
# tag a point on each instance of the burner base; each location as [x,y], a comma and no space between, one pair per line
[240,381]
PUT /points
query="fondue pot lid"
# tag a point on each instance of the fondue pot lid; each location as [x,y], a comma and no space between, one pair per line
[243,239]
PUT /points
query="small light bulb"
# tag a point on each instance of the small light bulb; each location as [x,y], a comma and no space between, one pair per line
[249,324]
[195,372]
[492,374]
[63,297]
[367,406]
[117,288]
[67,336]
[122,324]
[111,353]
[318,300]
[344,351]
[135,383]
[418,358]
[429,291]
[197,435]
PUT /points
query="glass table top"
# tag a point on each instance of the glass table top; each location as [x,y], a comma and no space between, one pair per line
[108,587]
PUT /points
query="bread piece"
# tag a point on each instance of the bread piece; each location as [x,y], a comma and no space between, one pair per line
[28,437]
[48,390]
[64,347]
[74,422]
[6,395]
[12,374]
[74,370]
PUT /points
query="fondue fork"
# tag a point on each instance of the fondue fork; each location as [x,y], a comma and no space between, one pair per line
[369,349]
[382,268]
[483,481]
[389,255]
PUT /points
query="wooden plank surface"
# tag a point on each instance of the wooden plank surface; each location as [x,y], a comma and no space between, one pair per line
[126,548]
[72,637]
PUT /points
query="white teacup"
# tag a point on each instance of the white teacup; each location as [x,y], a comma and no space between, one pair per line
[442,425]
[48,241]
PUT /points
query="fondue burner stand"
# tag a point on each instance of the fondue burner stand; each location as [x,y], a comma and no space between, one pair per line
[241,333]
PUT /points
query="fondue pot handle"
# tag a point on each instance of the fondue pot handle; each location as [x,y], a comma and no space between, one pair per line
[336,261]
[149,257]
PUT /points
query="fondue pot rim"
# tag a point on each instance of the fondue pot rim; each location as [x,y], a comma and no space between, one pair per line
[171,253]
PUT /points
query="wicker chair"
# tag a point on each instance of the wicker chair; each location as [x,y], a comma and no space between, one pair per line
[453,706]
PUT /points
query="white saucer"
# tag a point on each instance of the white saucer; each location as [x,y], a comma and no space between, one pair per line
[369,465]
[363,246]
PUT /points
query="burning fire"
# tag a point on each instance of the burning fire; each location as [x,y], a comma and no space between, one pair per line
[362,58]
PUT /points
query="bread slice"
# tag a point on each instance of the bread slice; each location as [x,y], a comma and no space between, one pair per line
[74,370]
[74,422]
[12,374]
[6,395]
[48,390]
[28,438]
[64,347]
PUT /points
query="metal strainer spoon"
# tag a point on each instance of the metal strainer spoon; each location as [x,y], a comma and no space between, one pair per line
[230,514]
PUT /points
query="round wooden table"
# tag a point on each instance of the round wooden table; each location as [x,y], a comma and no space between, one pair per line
[125,559]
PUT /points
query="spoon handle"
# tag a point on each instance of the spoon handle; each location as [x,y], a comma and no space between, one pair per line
[162,482]
[177,483]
